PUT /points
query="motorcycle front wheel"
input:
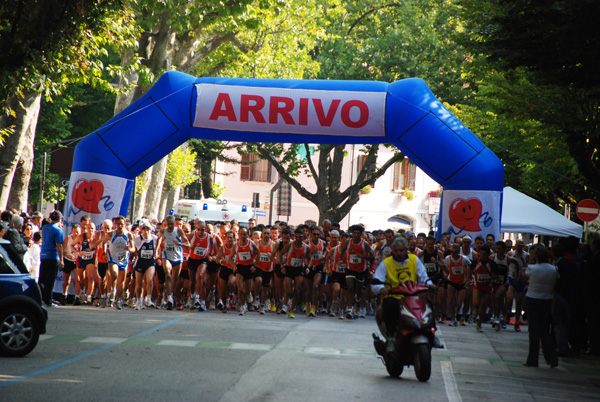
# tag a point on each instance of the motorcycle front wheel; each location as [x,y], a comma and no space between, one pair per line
[393,368]
[422,361]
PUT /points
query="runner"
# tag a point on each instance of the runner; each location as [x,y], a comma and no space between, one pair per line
[201,248]
[517,284]
[264,264]
[70,259]
[336,263]
[312,280]
[172,240]
[359,251]
[146,252]
[481,271]
[295,257]
[433,261]
[500,285]
[244,252]
[120,244]
[86,261]
[102,259]
[225,257]
[456,267]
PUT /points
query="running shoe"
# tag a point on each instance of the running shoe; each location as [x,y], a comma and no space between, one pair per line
[243,310]
[341,315]
[349,314]
[170,304]
[119,304]
[202,306]
[263,310]
[284,309]
[220,305]
[291,314]
[273,307]
[332,314]
[89,299]
[517,328]
[462,322]
[63,300]
[312,313]
[503,324]
[362,313]
[478,327]
[77,301]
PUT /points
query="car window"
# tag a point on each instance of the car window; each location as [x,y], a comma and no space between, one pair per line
[6,264]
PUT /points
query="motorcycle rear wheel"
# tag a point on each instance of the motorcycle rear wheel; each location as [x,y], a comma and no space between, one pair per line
[422,362]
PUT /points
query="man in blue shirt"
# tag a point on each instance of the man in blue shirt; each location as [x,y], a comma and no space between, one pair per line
[51,256]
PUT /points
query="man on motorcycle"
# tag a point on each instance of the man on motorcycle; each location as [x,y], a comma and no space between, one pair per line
[398,268]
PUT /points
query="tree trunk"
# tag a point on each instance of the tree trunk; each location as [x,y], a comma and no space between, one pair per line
[27,110]
[155,189]
[19,192]
[125,99]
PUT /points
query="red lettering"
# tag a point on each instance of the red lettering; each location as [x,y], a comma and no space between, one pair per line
[223,100]
[246,108]
[303,115]
[284,110]
[362,119]
[326,120]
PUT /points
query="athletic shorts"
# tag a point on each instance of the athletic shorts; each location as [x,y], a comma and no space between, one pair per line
[69,266]
[212,267]
[193,263]
[519,286]
[160,274]
[184,274]
[484,290]
[245,271]
[175,263]
[142,267]
[84,262]
[457,286]
[358,276]
[277,270]
[338,277]
[102,268]
[312,271]
[293,272]
[225,272]
[266,277]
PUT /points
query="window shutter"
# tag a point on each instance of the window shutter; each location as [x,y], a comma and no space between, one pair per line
[245,169]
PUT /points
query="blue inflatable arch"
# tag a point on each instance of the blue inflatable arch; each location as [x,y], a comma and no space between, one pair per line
[180,107]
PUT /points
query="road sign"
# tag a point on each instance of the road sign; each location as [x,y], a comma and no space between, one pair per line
[588,210]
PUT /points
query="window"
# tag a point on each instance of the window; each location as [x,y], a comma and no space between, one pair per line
[360,163]
[259,170]
[404,175]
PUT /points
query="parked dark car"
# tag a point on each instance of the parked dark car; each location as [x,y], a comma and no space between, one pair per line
[22,317]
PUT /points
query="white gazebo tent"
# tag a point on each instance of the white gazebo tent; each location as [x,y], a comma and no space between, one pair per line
[523,214]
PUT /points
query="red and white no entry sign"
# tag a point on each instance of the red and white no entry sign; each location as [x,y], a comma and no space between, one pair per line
[588,210]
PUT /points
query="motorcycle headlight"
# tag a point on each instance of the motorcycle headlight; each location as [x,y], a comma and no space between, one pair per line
[409,317]
[427,316]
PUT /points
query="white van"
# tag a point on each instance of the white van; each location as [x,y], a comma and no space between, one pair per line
[212,210]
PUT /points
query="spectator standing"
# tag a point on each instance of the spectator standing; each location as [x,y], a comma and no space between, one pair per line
[51,256]
[538,306]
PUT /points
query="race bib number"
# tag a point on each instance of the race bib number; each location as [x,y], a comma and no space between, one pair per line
[170,248]
[244,256]
[265,257]
[87,255]
[341,268]
[122,257]
[499,280]
[200,250]
[430,267]
[147,254]
[355,258]
[458,270]
[317,255]
[483,278]
[296,262]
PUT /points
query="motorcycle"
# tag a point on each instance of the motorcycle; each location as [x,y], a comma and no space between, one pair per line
[415,333]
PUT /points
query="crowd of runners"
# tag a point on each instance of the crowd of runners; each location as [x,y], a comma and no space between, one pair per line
[278,269]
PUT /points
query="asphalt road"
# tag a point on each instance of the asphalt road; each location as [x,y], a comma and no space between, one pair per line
[92,354]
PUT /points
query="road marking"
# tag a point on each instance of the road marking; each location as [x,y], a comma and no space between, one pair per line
[165,342]
[83,355]
[250,346]
[450,382]
[100,339]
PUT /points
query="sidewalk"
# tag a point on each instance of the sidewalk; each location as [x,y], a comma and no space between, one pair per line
[489,366]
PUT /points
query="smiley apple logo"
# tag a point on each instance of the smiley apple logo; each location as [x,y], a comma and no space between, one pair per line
[87,195]
[465,214]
